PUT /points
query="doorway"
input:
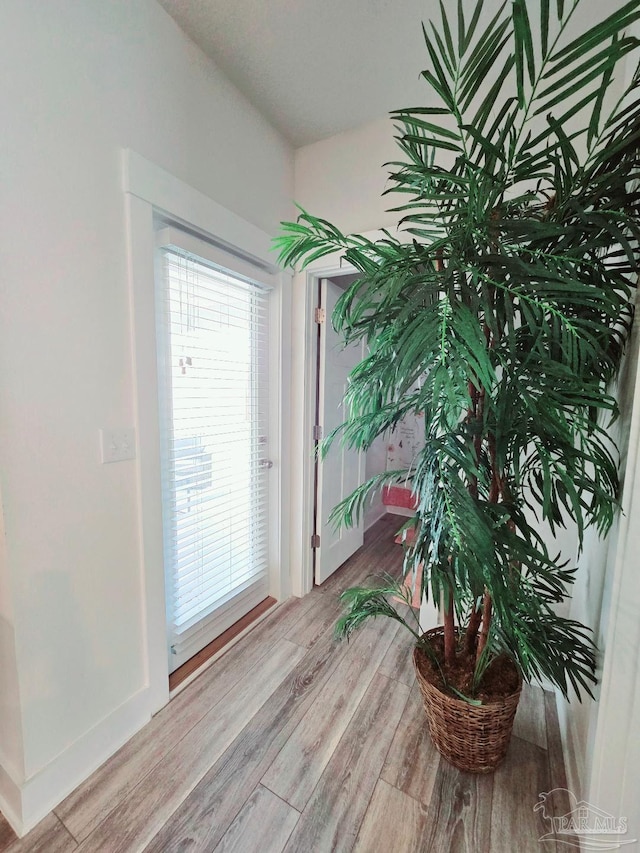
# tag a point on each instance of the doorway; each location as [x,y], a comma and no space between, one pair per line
[342,469]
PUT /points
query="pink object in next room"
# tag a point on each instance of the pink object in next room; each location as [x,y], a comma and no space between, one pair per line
[398,496]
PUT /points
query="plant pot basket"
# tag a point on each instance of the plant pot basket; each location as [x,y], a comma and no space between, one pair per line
[472,738]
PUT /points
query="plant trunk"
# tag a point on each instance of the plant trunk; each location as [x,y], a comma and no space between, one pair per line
[471,634]
[486,623]
[449,632]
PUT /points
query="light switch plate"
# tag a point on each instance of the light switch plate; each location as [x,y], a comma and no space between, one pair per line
[117,445]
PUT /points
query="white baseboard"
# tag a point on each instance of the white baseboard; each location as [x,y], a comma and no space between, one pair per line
[400,510]
[46,789]
[10,800]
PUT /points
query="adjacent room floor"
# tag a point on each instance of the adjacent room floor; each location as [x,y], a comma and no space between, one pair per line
[294,742]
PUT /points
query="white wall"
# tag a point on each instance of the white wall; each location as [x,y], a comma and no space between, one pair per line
[591,602]
[81,81]
[597,566]
[342,178]
[613,750]
[375,463]
[11,743]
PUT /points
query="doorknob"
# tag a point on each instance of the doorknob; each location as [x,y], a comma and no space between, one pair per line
[265,463]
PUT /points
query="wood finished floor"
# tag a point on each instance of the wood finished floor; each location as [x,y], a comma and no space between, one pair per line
[293,742]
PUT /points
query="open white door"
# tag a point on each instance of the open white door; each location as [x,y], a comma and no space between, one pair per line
[342,470]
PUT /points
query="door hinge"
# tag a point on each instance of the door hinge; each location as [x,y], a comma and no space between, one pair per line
[317,432]
[321,315]
[315,540]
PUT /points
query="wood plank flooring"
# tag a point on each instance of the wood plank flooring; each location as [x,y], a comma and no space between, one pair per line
[293,741]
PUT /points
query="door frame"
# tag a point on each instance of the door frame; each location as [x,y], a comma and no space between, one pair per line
[151,193]
[303,408]
[320,510]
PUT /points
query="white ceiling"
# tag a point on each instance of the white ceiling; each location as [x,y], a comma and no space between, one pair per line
[314,67]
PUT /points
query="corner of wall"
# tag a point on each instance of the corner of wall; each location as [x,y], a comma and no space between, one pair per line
[342,178]
[11,801]
[11,734]
[24,806]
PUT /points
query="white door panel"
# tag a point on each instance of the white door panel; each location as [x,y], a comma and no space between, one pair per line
[342,470]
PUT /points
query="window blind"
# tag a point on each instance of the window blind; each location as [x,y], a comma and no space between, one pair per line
[213,365]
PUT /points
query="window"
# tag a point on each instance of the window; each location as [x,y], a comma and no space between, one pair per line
[212,333]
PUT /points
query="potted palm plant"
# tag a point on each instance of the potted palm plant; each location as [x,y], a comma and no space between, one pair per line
[499,311]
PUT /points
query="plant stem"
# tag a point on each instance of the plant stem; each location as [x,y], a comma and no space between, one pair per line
[449,632]
[486,623]
[472,415]
[496,481]
[473,627]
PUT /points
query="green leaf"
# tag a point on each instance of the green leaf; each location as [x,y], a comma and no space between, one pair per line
[464,697]
[489,103]
[472,26]
[493,32]
[620,20]
[430,141]
[524,39]
[449,63]
[461,29]
[414,124]
[411,111]
[488,148]
[563,94]
[446,30]
[613,51]
[544,26]
[486,61]
[485,48]
[443,90]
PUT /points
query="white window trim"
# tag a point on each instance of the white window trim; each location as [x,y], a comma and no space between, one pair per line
[150,192]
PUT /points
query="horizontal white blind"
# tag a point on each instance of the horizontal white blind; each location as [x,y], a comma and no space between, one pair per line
[213,346]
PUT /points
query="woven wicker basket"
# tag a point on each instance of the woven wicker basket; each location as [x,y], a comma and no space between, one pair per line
[472,738]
